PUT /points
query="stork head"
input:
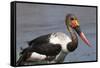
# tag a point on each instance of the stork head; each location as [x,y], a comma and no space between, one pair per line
[73,23]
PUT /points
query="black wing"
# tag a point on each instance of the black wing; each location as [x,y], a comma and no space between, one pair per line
[41,45]
[40,40]
[47,49]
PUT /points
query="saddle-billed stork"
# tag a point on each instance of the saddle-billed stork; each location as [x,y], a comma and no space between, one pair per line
[53,47]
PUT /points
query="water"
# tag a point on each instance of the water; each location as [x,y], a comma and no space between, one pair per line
[34,20]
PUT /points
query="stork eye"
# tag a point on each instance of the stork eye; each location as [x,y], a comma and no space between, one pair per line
[71,18]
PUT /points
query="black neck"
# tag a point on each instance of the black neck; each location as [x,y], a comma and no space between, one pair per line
[73,45]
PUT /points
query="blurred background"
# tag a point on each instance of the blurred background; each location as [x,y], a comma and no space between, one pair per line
[34,20]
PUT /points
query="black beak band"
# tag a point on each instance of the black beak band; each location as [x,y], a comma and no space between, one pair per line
[78,30]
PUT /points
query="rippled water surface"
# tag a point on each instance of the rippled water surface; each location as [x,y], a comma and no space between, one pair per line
[34,20]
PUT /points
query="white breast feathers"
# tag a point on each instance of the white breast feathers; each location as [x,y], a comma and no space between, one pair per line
[60,38]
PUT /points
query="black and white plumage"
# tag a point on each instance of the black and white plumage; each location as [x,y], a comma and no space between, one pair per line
[52,47]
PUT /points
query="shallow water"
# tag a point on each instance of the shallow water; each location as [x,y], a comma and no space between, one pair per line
[34,20]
